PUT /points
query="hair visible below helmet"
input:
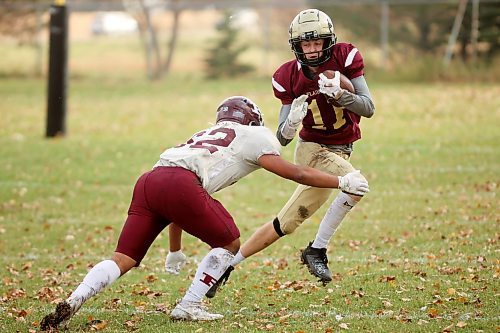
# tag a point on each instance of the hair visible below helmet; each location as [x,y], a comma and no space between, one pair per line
[241,110]
[311,24]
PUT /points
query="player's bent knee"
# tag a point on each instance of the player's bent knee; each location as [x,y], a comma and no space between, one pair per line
[284,229]
[219,258]
[234,246]
[124,262]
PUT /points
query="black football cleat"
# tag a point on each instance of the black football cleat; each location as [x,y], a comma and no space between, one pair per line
[223,279]
[316,262]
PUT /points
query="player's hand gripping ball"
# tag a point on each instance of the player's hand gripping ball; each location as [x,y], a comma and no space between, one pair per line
[345,83]
[333,84]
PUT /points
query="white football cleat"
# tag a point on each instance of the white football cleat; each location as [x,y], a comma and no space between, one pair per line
[194,311]
[174,262]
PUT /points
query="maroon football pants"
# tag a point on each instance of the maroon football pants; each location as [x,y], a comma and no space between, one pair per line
[173,195]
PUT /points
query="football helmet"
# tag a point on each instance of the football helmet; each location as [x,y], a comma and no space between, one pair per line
[241,110]
[308,25]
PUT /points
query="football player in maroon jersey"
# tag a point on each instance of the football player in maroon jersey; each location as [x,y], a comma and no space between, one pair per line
[329,129]
[178,190]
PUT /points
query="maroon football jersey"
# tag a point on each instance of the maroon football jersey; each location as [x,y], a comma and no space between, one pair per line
[324,123]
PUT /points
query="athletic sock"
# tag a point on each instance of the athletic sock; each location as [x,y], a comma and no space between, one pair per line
[99,277]
[237,259]
[209,271]
[342,204]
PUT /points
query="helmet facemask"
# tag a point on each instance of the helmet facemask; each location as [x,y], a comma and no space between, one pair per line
[308,25]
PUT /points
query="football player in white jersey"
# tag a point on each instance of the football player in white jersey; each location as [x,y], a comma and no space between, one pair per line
[178,190]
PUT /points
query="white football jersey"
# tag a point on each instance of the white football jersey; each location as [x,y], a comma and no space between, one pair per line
[222,154]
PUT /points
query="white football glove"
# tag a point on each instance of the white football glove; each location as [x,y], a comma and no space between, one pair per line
[330,87]
[298,111]
[174,262]
[354,183]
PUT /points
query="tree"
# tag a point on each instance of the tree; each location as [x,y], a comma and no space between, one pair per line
[23,23]
[222,58]
[421,27]
[157,67]
[489,31]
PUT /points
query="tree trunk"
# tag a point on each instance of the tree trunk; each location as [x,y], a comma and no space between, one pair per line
[148,36]
[153,50]
[172,42]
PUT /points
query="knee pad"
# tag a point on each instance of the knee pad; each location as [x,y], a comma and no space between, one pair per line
[283,230]
[277,228]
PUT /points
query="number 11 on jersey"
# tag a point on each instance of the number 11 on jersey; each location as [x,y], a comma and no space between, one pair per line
[318,120]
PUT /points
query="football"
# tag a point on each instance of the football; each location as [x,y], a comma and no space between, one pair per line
[345,83]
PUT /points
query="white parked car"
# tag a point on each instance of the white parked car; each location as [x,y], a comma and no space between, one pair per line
[113,23]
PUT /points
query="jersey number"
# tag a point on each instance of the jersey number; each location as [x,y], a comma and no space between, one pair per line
[203,139]
[318,121]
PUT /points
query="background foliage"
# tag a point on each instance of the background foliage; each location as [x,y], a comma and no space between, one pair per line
[417,37]
[222,58]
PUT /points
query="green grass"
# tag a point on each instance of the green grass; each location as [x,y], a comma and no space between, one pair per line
[419,254]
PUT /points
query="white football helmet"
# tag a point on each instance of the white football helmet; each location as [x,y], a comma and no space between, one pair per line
[312,24]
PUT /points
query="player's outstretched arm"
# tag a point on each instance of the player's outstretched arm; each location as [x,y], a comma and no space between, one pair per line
[353,183]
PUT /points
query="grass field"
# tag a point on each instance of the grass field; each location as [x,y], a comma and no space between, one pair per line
[419,254]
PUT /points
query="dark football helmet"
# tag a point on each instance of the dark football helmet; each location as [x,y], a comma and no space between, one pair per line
[312,24]
[241,110]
